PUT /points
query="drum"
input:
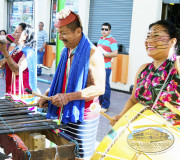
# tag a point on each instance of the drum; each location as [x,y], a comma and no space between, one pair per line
[140,134]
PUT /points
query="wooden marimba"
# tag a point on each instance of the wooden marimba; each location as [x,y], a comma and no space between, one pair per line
[17,127]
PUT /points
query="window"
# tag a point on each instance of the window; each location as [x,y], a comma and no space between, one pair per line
[20,12]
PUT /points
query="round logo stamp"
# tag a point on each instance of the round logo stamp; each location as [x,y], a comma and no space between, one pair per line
[150,139]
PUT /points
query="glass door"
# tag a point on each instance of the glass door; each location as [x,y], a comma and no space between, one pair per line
[53,19]
[21,11]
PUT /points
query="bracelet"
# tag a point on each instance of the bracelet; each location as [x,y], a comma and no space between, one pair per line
[7,57]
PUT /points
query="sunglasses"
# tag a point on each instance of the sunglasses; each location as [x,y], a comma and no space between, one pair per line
[102,29]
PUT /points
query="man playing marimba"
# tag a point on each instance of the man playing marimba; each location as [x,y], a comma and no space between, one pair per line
[78,81]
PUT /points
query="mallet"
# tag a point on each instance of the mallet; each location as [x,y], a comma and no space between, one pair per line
[95,107]
[38,95]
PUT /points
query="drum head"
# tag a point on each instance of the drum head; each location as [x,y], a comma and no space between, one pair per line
[140,134]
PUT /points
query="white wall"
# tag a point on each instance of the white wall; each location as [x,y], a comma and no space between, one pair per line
[3,14]
[144,13]
[42,14]
[83,12]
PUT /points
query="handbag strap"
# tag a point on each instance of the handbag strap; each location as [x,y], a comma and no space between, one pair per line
[162,87]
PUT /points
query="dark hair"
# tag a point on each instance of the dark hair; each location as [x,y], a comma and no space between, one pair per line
[29,31]
[74,25]
[3,31]
[107,24]
[42,23]
[171,29]
[23,25]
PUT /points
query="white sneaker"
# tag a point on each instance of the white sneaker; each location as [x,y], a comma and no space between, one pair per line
[104,110]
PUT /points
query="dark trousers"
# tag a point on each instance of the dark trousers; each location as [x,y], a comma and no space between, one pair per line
[105,99]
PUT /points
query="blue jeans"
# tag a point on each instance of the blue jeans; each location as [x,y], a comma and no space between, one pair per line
[105,99]
[40,56]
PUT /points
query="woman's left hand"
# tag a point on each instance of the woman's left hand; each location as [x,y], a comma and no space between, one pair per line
[115,119]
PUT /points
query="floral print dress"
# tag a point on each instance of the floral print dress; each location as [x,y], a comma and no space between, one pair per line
[149,83]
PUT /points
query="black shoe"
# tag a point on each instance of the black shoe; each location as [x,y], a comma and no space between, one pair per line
[38,74]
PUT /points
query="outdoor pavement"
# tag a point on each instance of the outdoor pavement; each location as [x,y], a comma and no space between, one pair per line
[118,99]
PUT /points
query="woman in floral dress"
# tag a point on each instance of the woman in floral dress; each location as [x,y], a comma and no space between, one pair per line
[161,46]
